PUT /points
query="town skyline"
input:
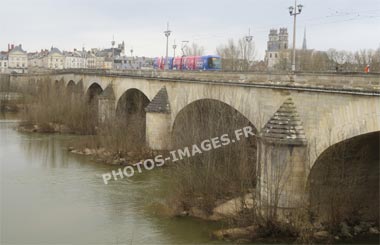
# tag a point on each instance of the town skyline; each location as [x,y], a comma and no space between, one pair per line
[347,24]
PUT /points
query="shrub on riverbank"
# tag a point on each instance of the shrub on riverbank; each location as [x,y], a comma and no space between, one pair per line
[65,109]
[220,174]
[55,104]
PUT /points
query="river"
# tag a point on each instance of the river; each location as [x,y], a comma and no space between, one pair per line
[50,196]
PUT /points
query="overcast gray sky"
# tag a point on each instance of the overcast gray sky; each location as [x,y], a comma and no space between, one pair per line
[68,24]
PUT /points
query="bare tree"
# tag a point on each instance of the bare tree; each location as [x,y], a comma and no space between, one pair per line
[237,56]
[313,61]
[230,54]
[339,57]
[194,50]
[283,61]
[248,53]
[375,65]
[364,57]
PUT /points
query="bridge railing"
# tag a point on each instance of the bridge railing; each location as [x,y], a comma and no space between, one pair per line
[337,81]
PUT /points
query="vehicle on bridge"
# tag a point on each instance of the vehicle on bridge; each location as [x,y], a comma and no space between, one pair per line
[206,62]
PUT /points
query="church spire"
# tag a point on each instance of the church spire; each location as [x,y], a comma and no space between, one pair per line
[304,46]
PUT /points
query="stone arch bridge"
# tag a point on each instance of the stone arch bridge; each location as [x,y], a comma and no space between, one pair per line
[298,116]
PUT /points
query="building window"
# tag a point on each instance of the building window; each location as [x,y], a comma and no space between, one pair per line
[275,55]
[270,55]
[285,46]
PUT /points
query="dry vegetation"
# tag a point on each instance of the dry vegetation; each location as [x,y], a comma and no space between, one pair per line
[218,174]
[344,183]
[56,108]
[50,105]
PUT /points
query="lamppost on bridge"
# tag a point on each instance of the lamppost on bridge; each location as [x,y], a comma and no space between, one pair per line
[294,11]
[132,59]
[113,52]
[248,40]
[174,47]
[183,46]
[167,34]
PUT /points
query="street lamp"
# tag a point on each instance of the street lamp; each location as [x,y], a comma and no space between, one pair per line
[183,46]
[248,40]
[174,47]
[294,11]
[167,34]
[132,59]
[113,52]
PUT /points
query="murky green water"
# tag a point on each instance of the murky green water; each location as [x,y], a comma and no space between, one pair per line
[49,196]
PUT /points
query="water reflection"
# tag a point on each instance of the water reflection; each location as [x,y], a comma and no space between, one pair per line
[51,196]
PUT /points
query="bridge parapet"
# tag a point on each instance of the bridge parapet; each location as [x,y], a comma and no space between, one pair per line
[349,82]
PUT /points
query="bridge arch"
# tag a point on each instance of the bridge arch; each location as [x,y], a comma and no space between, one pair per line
[89,81]
[354,119]
[93,91]
[59,83]
[70,87]
[132,100]
[130,114]
[201,106]
[180,98]
[344,180]
[207,118]
[223,168]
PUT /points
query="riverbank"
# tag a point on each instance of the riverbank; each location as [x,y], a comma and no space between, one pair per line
[89,145]
[11,102]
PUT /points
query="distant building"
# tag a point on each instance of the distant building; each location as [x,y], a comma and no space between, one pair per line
[91,60]
[17,59]
[4,62]
[121,63]
[110,58]
[74,60]
[54,60]
[277,47]
[99,61]
[35,59]
[108,63]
